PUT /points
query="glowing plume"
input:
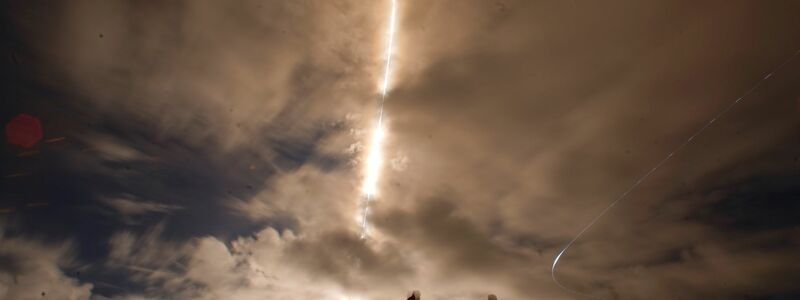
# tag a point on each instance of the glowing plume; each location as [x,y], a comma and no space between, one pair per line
[375,154]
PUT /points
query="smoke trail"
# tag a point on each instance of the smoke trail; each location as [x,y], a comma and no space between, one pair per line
[656,167]
[375,156]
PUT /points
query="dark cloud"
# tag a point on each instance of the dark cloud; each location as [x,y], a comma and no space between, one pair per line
[438,228]
[30,269]
[757,204]
[213,150]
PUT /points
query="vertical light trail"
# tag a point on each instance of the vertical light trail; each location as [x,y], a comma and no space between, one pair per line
[656,167]
[375,154]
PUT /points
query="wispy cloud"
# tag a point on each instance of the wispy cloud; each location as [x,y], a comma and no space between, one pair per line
[134,207]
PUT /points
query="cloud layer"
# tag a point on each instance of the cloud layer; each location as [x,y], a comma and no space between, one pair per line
[220,144]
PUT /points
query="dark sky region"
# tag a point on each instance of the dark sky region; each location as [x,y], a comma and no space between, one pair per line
[214,149]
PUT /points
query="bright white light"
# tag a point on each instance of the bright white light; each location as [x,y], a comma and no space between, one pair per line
[374,160]
[349,297]
[389,48]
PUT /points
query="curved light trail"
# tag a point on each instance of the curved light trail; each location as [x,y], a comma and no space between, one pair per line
[656,167]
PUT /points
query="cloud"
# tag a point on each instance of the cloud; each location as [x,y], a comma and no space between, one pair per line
[199,74]
[268,264]
[514,124]
[112,149]
[399,162]
[132,207]
[31,269]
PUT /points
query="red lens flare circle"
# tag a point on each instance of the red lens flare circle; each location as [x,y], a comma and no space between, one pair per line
[24,130]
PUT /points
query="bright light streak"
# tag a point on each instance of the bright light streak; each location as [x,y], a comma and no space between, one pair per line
[375,152]
[645,176]
[373,163]
[389,49]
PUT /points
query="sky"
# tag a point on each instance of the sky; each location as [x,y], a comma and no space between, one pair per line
[215,149]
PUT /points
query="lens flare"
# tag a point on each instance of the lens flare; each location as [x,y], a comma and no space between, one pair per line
[374,159]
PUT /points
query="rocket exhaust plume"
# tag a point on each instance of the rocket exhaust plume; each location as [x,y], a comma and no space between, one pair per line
[374,152]
[656,167]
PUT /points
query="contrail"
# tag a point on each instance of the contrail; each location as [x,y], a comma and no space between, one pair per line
[657,166]
[375,155]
